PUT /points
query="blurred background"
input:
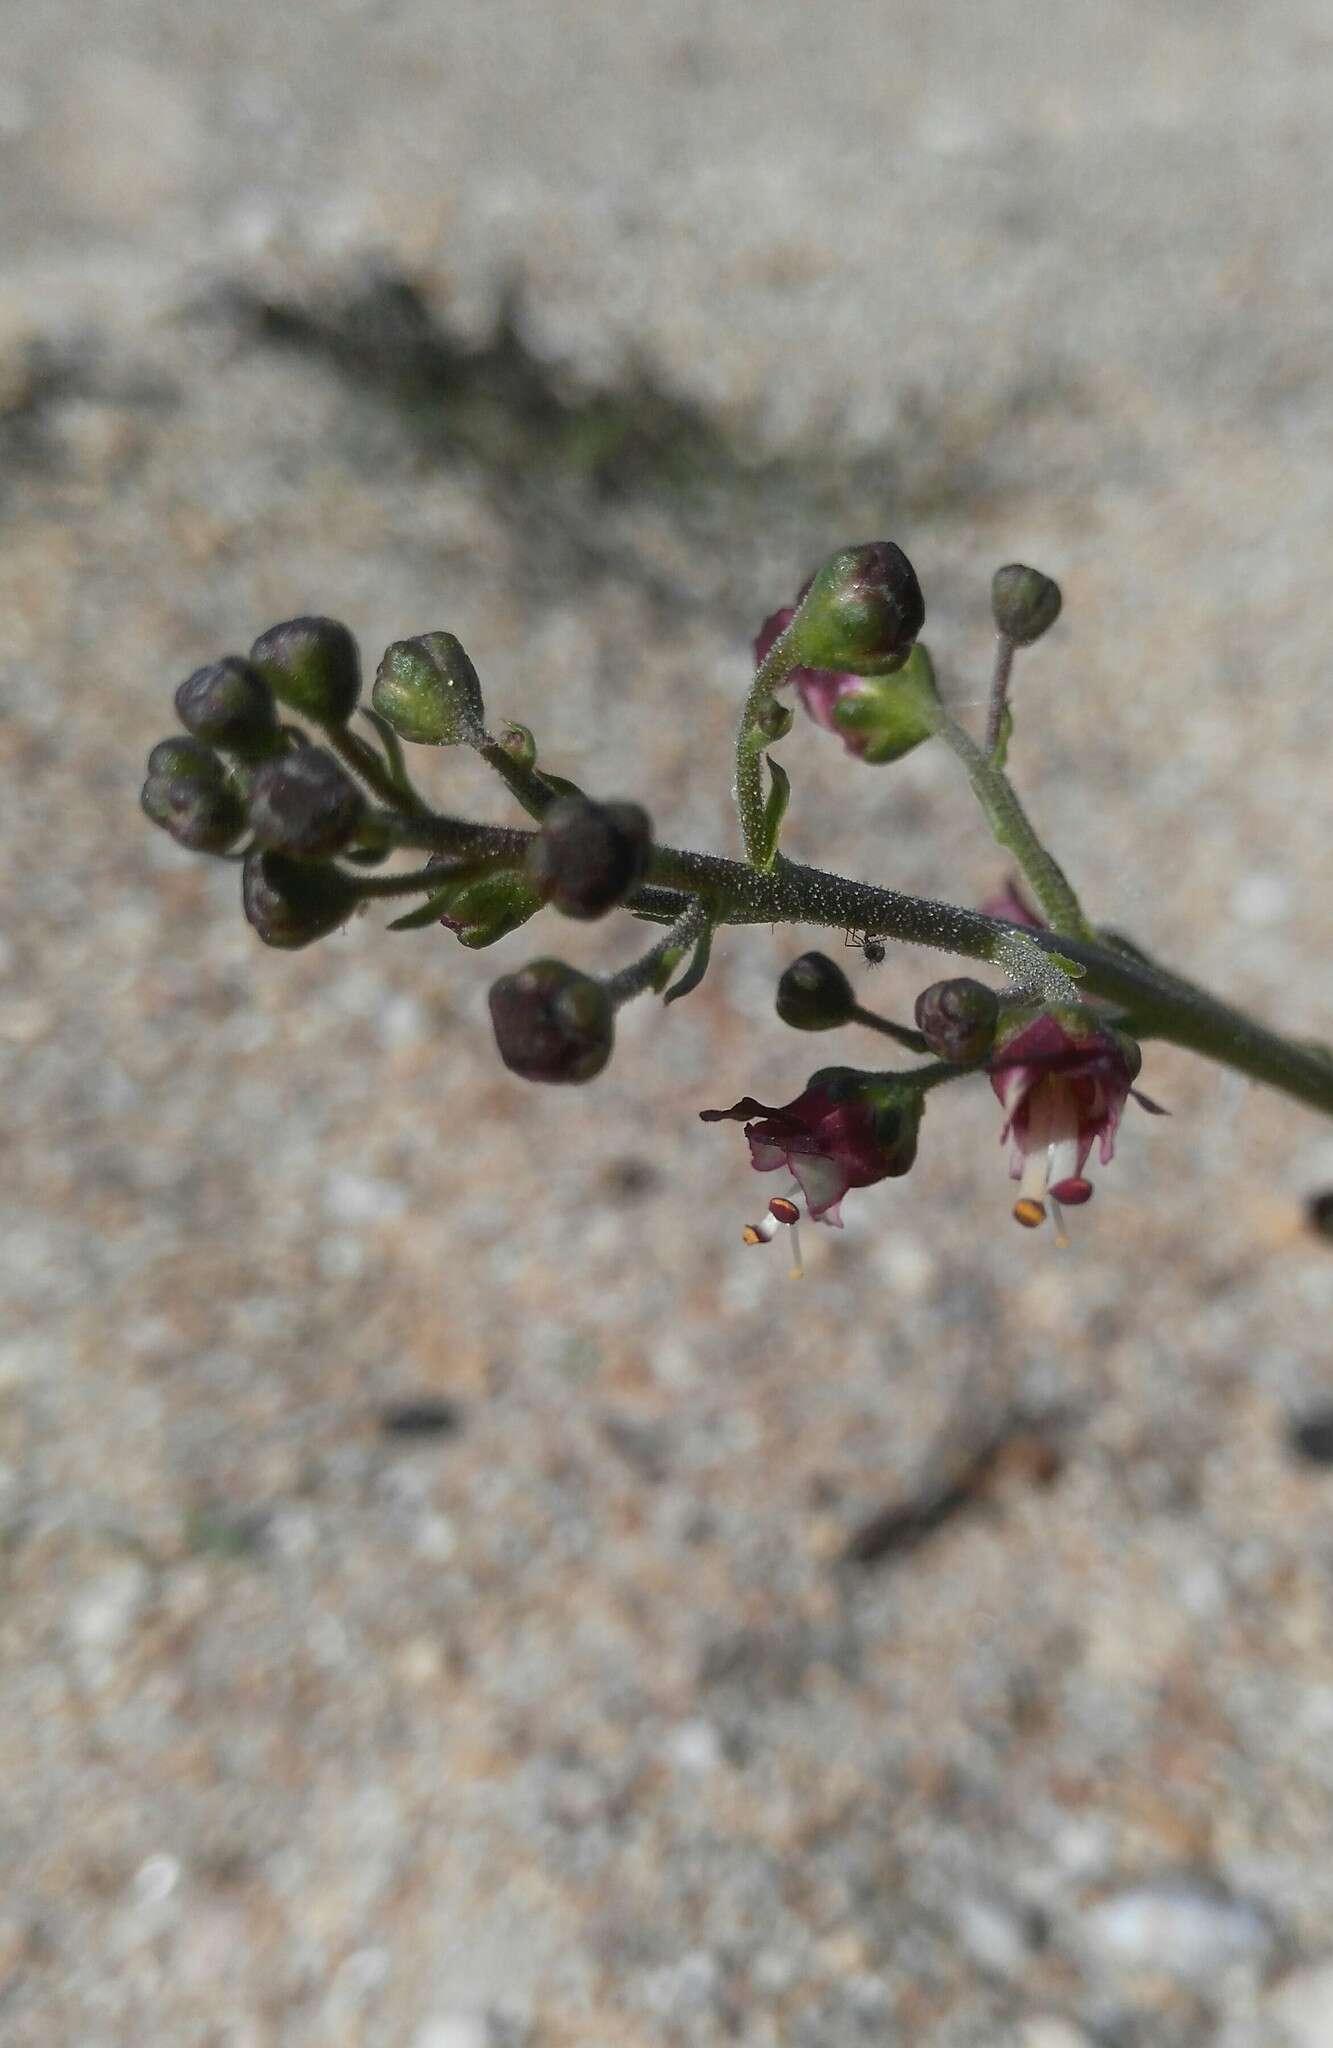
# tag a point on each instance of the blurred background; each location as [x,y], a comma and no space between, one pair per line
[454,1594]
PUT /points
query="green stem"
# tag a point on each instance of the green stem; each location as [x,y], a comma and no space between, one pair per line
[1163,1005]
[901,1034]
[645,973]
[524,783]
[999,697]
[752,743]
[1013,829]
[363,759]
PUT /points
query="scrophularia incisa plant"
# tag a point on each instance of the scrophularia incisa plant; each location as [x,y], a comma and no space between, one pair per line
[310,821]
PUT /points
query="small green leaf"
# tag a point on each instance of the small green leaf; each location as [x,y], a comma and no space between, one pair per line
[398,774]
[698,967]
[999,753]
[775,810]
[429,912]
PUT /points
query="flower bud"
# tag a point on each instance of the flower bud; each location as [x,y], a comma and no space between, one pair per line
[880,718]
[957,1019]
[181,755]
[429,692]
[588,857]
[290,903]
[312,666]
[518,742]
[815,995]
[304,804]
[861,613]
[192,799]
[229,705]
[552,1023]
[1025,604]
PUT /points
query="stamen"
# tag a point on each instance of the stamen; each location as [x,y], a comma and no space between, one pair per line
[761,1233]
[1074,1191]
[785,1210]
[1029,1213]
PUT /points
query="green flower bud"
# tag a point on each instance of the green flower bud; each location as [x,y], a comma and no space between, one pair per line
[861,613]
[229,705]
[882,718]
[587,857]
[304,804]
[291,903]
[552,1023]
[191,797]
[312,666]
[520,745]
[815,995]
[428,690]
[958,1019]
[1025,603]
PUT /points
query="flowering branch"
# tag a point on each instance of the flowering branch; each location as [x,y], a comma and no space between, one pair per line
[1058,1040]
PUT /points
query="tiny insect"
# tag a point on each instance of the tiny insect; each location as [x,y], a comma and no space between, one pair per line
[875,950]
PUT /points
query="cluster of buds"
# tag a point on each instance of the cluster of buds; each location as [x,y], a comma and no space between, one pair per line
[314,818]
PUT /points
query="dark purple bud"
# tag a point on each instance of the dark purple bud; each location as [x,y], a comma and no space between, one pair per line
[1025,604]
[192,799]
[588,857]
[229,705]
[861,613]
[291,903]
[815,995]
[304,803]
[311,665]
[957,1019]
[552,1023]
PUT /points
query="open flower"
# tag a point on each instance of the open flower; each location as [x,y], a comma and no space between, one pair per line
[1062,1077]
[845,1130]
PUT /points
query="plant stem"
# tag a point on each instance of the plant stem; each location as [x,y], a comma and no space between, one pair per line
[362,758]
[752,742]
[999,695]
[902,1034]
[1012,828]
[643,973]
[524,783]
[1163,1005]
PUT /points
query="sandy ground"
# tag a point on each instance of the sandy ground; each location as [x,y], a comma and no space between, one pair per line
[572,1723]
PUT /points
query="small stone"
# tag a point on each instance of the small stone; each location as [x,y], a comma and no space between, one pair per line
[1184,1931]
[996,1934]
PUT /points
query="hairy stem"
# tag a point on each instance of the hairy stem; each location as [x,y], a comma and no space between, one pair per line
[1163,1005]
[1012,828]
[752,742]
[999,696]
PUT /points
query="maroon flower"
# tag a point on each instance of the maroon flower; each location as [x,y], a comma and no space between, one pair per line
[1062,1077]
[819,689]
[845,1130]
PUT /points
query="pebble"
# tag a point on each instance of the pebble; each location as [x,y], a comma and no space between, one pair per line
[1187,1932]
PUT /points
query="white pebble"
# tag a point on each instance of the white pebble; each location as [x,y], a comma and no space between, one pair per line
[1185,1933]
